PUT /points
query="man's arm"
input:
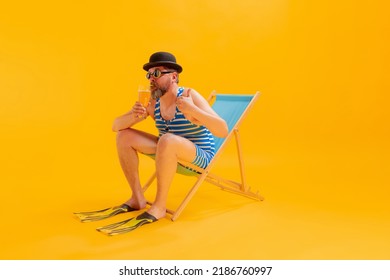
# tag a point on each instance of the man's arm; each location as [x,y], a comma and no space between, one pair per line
[198,111]
[137,114]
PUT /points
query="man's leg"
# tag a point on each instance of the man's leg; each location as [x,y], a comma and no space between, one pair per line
[170,149]
[129,142]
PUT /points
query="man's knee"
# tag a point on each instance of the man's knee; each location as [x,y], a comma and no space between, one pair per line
[171,144]
[124,137]
[167,141]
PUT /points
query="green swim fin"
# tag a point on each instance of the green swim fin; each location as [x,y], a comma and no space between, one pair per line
[104,213]
[127,225]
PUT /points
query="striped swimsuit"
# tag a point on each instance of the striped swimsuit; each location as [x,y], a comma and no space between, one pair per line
[179,125]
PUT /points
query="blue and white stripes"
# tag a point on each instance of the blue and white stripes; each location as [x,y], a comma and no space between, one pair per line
[179,125]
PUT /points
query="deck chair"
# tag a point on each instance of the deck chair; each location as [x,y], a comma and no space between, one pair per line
[232,108]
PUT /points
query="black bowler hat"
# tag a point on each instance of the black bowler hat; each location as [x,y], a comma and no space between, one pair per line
[163,59]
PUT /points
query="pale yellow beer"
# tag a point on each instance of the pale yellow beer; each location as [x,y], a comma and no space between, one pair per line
[144,95]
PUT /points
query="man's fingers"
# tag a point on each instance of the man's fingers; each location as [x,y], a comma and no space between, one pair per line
[187,93]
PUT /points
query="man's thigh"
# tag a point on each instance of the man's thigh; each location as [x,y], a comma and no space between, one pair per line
[141,141]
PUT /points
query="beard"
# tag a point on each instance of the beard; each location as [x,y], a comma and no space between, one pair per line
[157,91]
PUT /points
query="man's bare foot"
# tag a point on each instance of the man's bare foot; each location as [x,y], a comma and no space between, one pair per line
[135,204]
[157,212]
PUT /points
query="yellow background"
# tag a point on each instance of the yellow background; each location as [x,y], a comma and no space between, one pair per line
[316,145]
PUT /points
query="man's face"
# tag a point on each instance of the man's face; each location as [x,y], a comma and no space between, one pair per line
[160,85]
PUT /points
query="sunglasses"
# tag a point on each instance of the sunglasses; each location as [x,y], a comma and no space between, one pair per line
[157,73]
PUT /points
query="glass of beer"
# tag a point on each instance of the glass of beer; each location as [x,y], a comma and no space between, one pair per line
[144,95]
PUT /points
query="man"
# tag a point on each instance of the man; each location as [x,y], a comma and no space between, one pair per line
[186,125]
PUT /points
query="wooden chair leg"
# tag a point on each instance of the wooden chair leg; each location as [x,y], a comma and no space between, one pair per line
[188,197]
[149,182]
[244,186]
